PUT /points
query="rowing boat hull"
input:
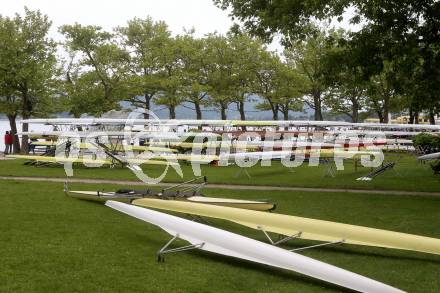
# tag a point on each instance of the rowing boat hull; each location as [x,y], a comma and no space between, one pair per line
[98,196]
[309,228]
[224,202]
[226,243]
[63,160]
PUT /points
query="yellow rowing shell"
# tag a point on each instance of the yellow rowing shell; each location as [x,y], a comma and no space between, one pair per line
[62,160]
[311,229]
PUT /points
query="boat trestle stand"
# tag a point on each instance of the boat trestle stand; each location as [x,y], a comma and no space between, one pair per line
[164,250]
[282,240]
[318,245]
[330,170]
[242,171]
[187,187]
[294,236]
[66,187]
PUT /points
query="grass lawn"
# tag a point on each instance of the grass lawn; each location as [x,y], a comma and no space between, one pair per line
[50,242]
[410,175]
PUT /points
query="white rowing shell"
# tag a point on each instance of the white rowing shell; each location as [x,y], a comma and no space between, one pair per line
[227,243]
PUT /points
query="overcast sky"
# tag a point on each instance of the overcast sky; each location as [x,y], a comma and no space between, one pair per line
[203,15]
[200,14]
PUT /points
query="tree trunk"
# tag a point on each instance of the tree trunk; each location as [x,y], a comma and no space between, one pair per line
[240,107]
[416,117]
[198,111]
[411,115]
[385,116]
[147,106]
[386,110]
[378,109]
[318,105]
[431,117]
[26,110]
[380,115]
[172,112]
[24,139]
[355,117]
[223,112]
[275,111]
[13,125]
[286,115]
[275,108]
[355,112]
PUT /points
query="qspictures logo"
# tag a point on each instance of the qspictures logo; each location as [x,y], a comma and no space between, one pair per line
[160,142]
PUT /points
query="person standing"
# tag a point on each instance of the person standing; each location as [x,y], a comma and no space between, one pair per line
[8,142]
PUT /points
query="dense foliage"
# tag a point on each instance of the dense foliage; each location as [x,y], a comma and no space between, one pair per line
[396,51]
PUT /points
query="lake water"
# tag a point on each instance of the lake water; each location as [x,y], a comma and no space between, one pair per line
[4,126]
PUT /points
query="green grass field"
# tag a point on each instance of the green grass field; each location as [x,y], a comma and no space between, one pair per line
[50,242]
[408,175]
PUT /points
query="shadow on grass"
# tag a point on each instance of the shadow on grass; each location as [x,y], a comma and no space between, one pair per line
[266,269]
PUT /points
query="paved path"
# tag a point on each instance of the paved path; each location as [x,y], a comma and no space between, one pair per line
[224,186]
[3,158]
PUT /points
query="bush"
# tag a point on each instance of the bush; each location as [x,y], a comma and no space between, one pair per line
[436,167]
[427,143]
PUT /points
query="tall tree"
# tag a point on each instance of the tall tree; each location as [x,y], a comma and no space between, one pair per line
[171,94]
[9,102]
[100,69]
[221,72]
[267,75]
[145,40]
[347,93]
[290,87]
[382,95]
[28,69]
[347,97]
[282,89]
[404,30]
[245,64]
[196,68]
[308,56]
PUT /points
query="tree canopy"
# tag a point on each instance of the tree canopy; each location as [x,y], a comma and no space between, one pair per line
[28,69]
[403,33]
[390,65]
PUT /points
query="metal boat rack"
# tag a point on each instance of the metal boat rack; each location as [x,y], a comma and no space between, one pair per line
[378,171]
[187,188]
[181,190]
[164,250]
[295,236]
